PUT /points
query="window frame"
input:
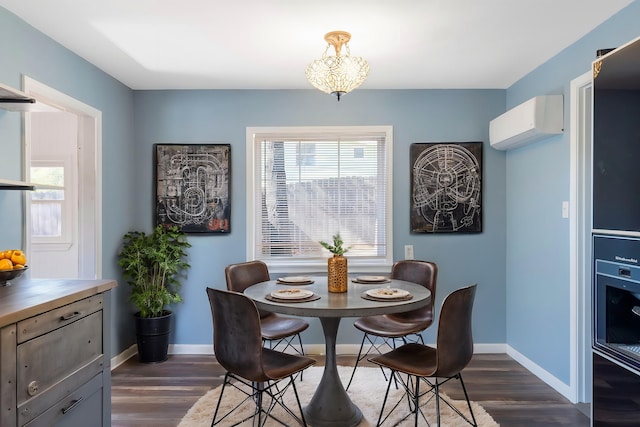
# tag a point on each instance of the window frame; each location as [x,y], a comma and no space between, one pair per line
[293,265]
[65,240]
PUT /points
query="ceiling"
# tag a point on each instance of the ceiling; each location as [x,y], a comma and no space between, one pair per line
[267,44]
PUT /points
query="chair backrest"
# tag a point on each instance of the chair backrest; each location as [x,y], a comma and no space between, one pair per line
[454,347]
[237,340]
[424,273]
[244,274]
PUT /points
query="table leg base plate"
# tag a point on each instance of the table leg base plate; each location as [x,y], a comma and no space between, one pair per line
[332,418]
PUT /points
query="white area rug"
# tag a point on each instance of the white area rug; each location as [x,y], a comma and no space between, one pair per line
[366,391]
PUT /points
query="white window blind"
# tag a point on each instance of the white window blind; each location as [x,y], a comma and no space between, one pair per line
[311,183]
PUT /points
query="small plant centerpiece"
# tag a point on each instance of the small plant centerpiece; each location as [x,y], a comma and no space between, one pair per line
[337,272]
[153,265]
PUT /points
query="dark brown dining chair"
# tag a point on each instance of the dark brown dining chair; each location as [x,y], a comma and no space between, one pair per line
[434,366]
[251,368]
[386,329]
[277,331]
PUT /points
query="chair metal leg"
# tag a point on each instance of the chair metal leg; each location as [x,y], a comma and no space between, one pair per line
[466,396]
[301,353]
[416,402]
[375,345]
[295,391]
[435,387]
[224,385]
[437,390]
[254,393]
[286,343]
[277,398]
[353,372]
[384,402]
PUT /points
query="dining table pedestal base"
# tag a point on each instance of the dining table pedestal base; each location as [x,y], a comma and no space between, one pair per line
[331,406]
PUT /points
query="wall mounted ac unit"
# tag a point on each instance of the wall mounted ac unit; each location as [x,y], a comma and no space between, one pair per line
[528,122]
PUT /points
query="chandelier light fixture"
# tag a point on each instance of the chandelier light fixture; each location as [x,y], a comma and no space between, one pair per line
[337,74]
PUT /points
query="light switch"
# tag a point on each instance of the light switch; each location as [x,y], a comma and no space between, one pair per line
[565,209]
[408,251]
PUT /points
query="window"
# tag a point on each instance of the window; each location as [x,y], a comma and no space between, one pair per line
[49,203]
[307,184]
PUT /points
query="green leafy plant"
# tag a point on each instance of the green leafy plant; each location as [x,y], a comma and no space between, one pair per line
[153,264]
[336,248]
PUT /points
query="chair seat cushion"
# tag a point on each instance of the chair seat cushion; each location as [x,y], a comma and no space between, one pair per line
[275,327]
[412,358]
[278,365]
[386,326]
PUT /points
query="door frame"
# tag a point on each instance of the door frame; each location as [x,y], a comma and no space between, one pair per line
[89,173]
[580,201]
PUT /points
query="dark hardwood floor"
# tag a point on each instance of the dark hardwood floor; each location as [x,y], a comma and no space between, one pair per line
[159,395]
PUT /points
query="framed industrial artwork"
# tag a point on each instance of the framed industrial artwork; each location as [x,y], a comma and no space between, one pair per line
[446,187]
[193,187]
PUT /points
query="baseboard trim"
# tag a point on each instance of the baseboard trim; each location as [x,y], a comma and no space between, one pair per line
[315,349]
[541,373]
[127,354]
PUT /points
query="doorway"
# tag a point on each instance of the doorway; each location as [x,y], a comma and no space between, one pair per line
[68,143]
[580,236]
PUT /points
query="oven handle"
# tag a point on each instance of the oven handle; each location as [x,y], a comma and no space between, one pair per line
[624,272]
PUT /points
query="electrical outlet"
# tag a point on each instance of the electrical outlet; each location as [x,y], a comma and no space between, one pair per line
[408,251]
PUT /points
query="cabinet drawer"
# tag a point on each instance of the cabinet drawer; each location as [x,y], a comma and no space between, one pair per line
[81,408]
[40,403]
[57,318]
[48,359]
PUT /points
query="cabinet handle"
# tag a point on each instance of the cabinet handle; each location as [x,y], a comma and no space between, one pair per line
[74,403]
[70,316]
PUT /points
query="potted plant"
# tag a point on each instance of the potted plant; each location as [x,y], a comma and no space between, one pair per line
[153,265]
[337,274]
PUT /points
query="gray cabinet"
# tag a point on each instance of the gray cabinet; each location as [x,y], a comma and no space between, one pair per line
[54,357]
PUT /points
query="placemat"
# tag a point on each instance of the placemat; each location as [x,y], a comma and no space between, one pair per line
[370,283]
[369,297]
[279,282]
[287,301]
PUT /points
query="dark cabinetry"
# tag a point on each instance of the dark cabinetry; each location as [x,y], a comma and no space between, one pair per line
[616,141]
[616,250]
[616,394]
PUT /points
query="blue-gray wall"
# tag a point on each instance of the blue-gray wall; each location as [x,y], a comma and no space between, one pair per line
[24,51]
[520,261]
[537,181]
[416,116]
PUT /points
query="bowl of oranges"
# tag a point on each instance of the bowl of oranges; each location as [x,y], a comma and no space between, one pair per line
[13,264]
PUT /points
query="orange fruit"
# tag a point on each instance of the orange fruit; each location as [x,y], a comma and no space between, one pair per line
[7,254]
[17,266]
[5,264]
[18,257]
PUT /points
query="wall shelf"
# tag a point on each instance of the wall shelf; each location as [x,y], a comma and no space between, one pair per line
[14,100]
[7,184]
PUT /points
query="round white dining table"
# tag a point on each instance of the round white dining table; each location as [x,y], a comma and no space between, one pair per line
[330,405]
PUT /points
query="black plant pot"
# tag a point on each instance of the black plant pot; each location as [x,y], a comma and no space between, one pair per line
[152,335]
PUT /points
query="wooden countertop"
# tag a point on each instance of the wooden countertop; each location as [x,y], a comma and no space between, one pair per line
[24,298]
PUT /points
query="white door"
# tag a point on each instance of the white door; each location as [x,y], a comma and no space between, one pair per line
[54,204]
[64,222]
